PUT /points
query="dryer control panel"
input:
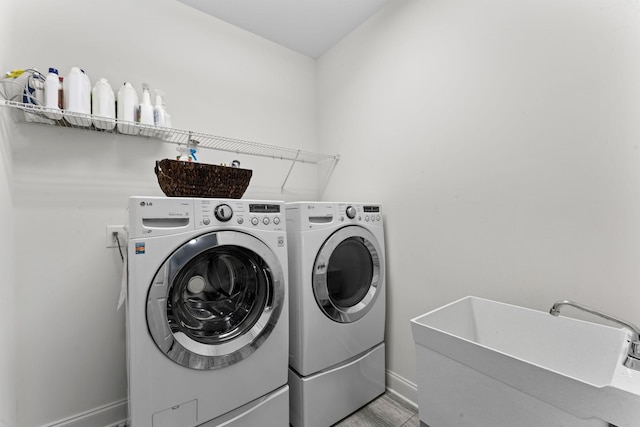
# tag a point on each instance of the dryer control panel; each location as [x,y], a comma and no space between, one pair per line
[368,213]
[320,215]
[263,215]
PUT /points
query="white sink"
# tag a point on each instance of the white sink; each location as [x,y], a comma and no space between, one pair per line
[486,363]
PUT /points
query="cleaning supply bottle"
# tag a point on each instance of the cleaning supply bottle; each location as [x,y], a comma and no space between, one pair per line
[187,154]
[76,98]
[146,112]
[158,110]
[126,112]
[159,115]
[53,95]
[103,105]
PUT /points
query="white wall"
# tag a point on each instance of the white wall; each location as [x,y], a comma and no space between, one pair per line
[69,184]
[7,287]
[7,278]
[502,138]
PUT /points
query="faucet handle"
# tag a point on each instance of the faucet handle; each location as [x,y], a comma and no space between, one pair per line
[632,363]
[634,349]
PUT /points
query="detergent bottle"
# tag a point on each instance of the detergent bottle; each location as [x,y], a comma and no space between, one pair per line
[77,98]
[103,105]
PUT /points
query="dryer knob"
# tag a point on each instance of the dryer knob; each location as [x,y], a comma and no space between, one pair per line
[351,212]
[223,213]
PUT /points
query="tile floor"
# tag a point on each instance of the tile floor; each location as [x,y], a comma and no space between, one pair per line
[387,410]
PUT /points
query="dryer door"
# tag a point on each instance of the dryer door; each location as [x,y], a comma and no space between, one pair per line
[348,274]
[215,300]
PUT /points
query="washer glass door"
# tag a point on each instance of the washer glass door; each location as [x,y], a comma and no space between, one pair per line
[347,274]
[215,300]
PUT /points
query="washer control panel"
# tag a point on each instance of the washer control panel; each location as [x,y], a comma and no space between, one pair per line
[249,214]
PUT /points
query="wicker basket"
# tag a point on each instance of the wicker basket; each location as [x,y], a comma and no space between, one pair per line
[188,179]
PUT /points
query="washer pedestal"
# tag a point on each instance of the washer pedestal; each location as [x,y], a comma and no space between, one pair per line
[324,398]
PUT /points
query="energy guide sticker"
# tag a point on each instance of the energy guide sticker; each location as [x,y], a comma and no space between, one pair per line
[139,248]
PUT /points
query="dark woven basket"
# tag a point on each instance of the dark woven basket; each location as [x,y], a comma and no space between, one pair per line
[189,179]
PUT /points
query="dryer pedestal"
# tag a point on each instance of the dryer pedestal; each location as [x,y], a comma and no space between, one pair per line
[267,411]
[324,398]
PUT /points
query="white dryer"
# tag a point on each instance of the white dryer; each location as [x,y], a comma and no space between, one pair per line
[207,313]
[337,309]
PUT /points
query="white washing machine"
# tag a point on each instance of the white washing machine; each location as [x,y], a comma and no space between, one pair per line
[207,313]
[337,309]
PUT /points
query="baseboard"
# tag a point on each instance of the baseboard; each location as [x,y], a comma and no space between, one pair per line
[115,414]
[110,415]
[402,388]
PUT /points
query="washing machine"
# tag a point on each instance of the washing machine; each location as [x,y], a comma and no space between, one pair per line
[207,313]
[337,309]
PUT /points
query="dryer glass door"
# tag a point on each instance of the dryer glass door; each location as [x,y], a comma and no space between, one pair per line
[215,300]
[348,274]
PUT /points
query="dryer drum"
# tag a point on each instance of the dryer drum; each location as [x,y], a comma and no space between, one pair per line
[347,274]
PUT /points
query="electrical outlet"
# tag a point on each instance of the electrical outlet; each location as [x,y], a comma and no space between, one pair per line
[110,240]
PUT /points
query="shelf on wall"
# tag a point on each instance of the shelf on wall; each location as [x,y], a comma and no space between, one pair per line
[39,114]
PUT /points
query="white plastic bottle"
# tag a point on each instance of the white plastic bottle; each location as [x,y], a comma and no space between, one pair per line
[86,93]
[76,98]
[146,112]
[160,116]
[127,105]
[158,111]
[52,95]
[103,105]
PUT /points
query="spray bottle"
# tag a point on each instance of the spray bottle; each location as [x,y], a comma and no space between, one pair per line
[146,112]
[188,152]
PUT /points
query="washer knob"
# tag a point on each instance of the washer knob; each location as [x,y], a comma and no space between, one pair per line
[223,213]
[351,212]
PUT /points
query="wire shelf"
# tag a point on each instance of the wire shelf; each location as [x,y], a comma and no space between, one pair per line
[61,118]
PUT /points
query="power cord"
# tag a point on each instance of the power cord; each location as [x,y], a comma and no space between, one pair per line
[117,239]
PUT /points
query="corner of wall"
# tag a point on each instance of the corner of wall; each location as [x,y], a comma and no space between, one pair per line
[403,388]
[7,285]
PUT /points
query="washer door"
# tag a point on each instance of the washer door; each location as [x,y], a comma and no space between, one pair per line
[348,274]
[215,300]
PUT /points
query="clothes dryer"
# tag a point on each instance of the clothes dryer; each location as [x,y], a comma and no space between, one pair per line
[207,313]
[337,309]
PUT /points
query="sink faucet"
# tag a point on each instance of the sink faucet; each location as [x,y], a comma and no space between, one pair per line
[633,357]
